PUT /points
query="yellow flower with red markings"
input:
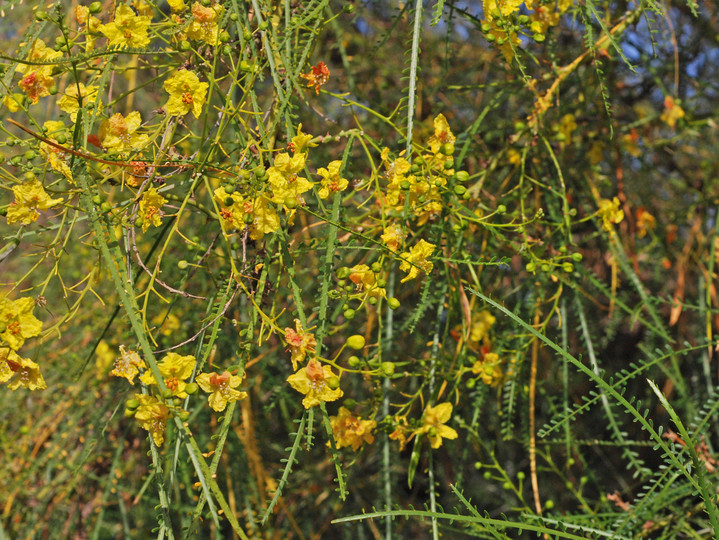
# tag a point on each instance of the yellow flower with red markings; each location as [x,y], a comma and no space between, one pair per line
[203,26]
[187,94]
[221,388]
[119,133]
[127,29]
[317,383]
[300,342]
[175,370]
[19,372]
[610,213]
[332,182]
[37,78]
[150,208]
[350,430]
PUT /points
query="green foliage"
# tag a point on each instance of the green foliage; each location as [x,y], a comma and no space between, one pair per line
[308,269]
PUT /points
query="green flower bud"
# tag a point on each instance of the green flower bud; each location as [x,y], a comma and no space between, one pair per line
[393,303]
[349,314]
[182,265]
[333,382]
[191,388]
[353,362]
[356,342]
[387,368]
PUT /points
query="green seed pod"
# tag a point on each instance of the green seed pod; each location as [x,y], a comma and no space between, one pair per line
[356,342]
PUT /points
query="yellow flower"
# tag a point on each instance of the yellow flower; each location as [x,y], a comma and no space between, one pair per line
[567,126]
[104,358]
[442,134]
[645,222]
[416,259]
[128,365]
[349,430]
[152,415]
[119,133]
[300,343]
[672,112]
[481,323]
[13,102]
[610,213]
[434,426]
[175,369]
[393,237]
[287,186]
[314,381]
[332,182]
[177,5]
[319,75]
[70,103]
[37,79]
[362,276]
[128,29]
[20,371]
[301,142]
[233,214]
[29,198]
[150,205]
[187,94]
[57,159]
[265,221]
[488,369]
[169,323]
[204,23]
[17,323]
[221,388]
[401,429]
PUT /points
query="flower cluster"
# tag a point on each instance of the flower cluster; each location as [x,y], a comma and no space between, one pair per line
[152,410]
[17,323]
